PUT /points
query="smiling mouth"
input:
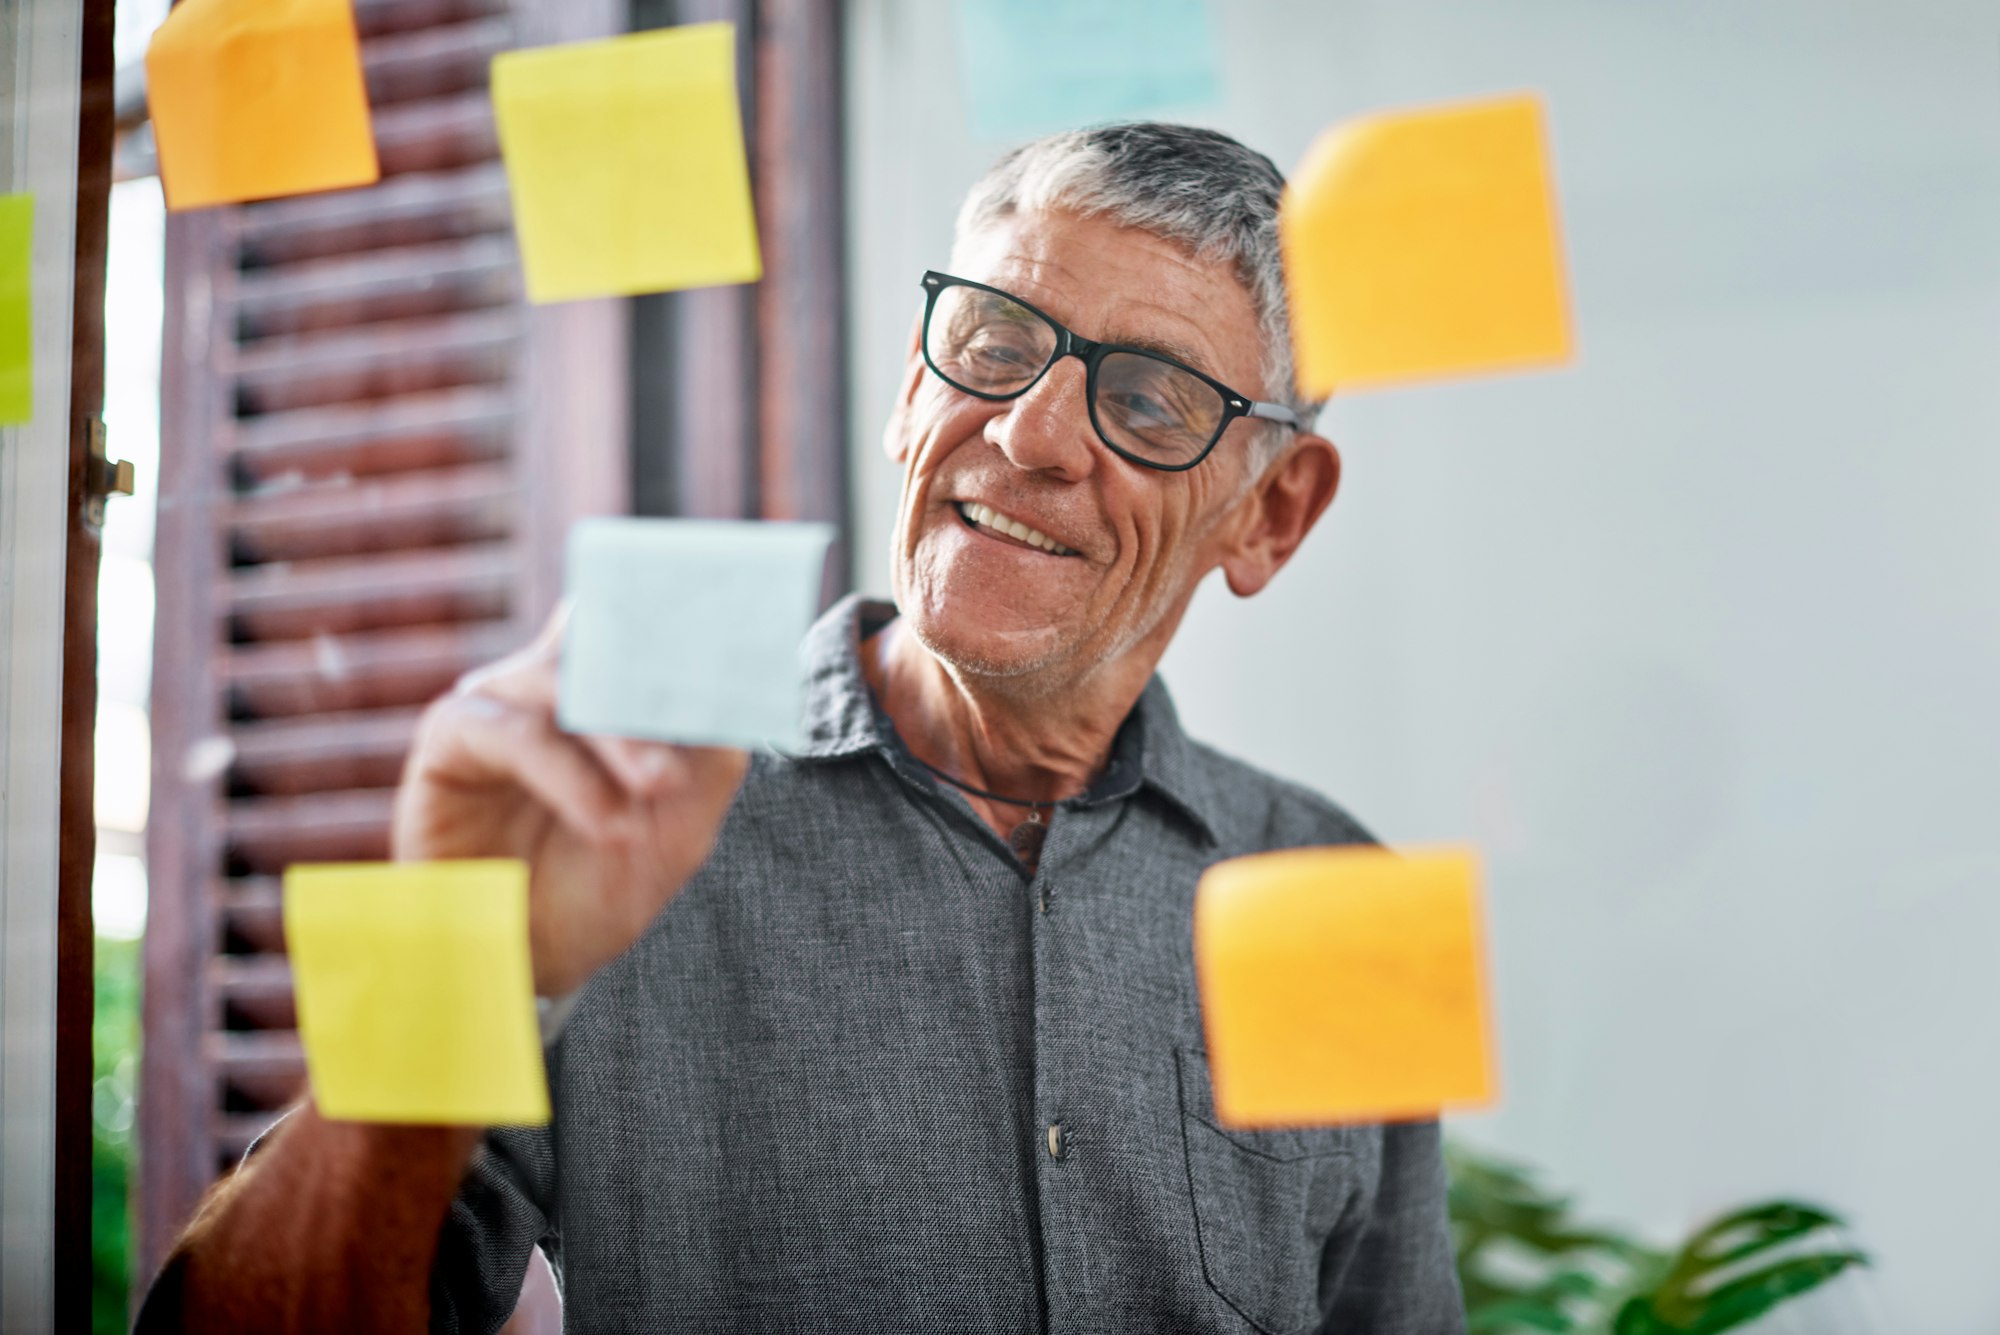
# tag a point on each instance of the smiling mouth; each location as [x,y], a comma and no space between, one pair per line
[989,520]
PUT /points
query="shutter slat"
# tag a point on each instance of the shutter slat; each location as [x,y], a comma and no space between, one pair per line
[375,18]
[435,134]
[249,916]
[254,991]
[412,210]
[268,834]
[297,600]
[344,517]
[361,749]
[465,424]
[427,62]
[255,1071]
[406,666]
[403,283]
[412,357]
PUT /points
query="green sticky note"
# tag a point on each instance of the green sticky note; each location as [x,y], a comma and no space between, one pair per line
[17,326]
[625,158]
[416,994]
[687,630]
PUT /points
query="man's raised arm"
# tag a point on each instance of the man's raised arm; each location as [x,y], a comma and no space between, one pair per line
[334,1225]
[330,1226]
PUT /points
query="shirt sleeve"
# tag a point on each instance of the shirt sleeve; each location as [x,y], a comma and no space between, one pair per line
[500,1213]
[1402,1278]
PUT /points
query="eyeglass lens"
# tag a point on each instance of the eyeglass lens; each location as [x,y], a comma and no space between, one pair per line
[985,343]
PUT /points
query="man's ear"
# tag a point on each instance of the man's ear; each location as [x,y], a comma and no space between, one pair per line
[1284,505]
[894,443]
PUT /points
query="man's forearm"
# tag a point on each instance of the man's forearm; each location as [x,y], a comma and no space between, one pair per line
[331,1226]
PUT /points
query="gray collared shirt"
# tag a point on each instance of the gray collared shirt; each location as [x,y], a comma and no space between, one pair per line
[867,1073]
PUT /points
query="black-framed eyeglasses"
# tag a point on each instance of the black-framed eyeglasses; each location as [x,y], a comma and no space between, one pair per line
[1149,408]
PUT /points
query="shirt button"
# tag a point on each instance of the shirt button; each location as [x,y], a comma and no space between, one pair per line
[1055,1140]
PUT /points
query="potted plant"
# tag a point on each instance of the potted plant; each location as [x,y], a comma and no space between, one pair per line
[1526,1264]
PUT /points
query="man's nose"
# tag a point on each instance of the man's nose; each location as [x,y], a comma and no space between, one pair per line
[1048,428]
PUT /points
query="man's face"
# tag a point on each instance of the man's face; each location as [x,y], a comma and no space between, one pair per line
[1139,540]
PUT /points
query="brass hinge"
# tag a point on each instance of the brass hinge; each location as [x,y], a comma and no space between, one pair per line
[107,476]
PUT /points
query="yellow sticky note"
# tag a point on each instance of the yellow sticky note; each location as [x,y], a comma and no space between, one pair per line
[17,326]
[625,157]
[415,991]
[256,98]
[1343,985]
[1423,244]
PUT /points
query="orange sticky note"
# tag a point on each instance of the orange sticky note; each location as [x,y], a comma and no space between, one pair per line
[1423,244]
[256,98]
[1343,985]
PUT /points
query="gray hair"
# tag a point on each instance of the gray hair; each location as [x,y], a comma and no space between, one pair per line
[1197,188]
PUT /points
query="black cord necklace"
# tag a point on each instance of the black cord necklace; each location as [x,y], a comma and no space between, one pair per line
[1026,838]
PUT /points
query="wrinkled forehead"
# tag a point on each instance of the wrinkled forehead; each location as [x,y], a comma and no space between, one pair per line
[1115,283]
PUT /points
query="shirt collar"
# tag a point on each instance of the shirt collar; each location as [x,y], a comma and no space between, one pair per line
[841,719]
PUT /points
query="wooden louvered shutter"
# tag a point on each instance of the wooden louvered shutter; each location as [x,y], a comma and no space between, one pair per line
[371,448]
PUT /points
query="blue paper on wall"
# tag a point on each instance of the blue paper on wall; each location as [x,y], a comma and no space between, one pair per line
[1034,66]
[688,630]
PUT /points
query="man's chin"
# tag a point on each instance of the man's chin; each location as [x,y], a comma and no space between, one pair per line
[986,646]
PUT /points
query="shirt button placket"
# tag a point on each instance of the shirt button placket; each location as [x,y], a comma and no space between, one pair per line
[1053,1155]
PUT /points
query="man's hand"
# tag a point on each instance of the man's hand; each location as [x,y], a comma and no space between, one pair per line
[610,828]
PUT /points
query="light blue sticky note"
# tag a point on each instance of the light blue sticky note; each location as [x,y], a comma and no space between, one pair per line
[1033,66]
[688,630]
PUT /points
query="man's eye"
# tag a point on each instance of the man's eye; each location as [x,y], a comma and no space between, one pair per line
[1001,352]
[1143,410]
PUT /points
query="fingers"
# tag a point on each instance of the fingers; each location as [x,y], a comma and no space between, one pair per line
[529,680]
[519,700]
[475,739]
[549,640]
[715,768]
[645,770]
[528,675]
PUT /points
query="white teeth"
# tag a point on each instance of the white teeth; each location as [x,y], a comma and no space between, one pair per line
[987,517]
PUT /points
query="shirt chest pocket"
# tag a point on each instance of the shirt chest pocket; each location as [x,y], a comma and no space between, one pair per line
[1267,1202]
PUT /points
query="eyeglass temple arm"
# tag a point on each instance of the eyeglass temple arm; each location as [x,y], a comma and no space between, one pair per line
[1276,412]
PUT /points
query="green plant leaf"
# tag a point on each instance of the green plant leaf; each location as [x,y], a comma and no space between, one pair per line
[1528,1267]
[1756,1229]
[1737,1302]
[1743,1300]
[1492,1198]
[1525,1263]
[1690,1289]
[1507,1318]
[1636,1317]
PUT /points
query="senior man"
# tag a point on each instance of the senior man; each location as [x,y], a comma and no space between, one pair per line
[901,1032]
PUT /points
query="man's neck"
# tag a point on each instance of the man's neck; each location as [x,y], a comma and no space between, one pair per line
[1032,746]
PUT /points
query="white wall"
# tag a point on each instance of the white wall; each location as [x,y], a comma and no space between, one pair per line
[1700,639]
